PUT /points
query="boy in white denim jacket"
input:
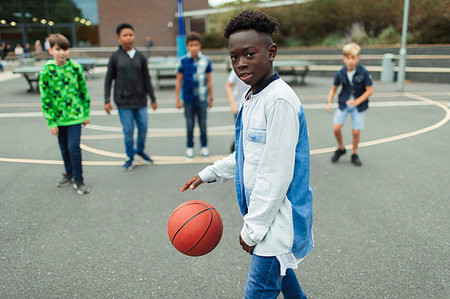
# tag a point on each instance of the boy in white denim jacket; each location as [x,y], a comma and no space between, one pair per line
[270,164]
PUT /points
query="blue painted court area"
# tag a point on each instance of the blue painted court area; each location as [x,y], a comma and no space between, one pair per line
[381,230]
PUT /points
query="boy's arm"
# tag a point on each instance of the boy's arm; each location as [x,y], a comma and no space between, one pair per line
[46,99]
[330,97]
[275,172]
[229,91]
[148,82]
[84,96]
[210,89]
[363,97]
[220,171]
[110,76]
[178,103]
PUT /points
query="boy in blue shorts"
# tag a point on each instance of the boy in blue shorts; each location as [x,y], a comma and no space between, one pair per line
[194,86]
[271,163]
[353,98]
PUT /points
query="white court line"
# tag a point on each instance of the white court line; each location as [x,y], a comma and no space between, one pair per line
[197,160]
[214,109]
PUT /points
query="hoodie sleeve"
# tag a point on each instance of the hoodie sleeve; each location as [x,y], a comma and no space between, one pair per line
[110,76]
[147,80]
[46,98]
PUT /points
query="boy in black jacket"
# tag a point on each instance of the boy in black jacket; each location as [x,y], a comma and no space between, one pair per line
[128,68]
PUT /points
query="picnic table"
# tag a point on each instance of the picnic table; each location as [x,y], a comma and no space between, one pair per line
[31,72]
[296,68]
[165,69]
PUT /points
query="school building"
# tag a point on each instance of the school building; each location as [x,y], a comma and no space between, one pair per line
[93,22]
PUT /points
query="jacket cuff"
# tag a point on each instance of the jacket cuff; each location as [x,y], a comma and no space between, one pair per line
[107,101]
[246,238]
[206,175]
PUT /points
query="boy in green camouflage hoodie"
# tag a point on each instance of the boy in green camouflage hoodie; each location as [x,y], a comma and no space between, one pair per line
[66,106]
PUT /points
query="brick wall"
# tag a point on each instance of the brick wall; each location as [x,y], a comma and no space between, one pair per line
[148,17]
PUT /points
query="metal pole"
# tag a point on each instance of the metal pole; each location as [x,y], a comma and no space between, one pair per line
[72,25]
[402,63]
[181,46]
[23,24]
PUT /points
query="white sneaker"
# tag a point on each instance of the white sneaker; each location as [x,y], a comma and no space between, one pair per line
[190,152]
[204,151]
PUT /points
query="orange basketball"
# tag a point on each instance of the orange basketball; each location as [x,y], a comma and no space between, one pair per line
[195,228]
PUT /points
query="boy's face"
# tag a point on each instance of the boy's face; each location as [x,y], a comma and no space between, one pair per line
[126,38]
[252,54]
[60,55]
[194,47]
[350,61]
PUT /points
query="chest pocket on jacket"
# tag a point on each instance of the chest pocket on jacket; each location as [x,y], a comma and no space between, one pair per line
[256,141]
[256,135]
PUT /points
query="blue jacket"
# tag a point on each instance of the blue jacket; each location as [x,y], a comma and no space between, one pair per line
[272,170]
[361,79]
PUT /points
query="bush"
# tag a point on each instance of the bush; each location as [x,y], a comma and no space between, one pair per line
[389,36]
[332,40]
[214,40]
[357,34]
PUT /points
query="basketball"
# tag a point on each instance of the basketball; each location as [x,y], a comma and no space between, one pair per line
[195,228]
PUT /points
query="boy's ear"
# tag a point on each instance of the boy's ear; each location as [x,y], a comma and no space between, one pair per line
[273,49]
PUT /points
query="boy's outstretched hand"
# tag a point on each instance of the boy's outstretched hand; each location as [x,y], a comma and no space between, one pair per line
[193,183]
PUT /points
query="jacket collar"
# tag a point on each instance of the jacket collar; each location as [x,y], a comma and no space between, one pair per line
[270,80]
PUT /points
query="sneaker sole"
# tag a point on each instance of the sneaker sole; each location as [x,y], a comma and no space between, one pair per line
[64,185]
[80,191]
[133,165]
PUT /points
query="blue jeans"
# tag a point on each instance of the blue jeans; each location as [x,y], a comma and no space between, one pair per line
[264,280]
[192,109]
[127,118]
[69,144]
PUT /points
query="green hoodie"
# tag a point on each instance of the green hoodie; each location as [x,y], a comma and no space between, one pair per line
[64,95]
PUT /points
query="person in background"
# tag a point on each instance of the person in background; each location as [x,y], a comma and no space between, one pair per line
[148,46]
[66,107]
[353,99]
[128,68]
[194,79]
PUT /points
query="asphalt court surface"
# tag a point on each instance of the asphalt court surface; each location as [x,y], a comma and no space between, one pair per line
[381,231]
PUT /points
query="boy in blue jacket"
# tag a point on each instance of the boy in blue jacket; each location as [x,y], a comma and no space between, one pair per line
[270,164]
[353,98]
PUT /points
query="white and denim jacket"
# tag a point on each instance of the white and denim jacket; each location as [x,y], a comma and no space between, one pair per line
[271,169]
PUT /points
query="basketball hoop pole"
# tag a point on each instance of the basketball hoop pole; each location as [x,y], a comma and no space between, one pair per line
[181,39]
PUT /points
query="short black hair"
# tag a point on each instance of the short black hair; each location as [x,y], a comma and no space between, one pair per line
[194,36]
[123,26]
[57,39]
[251,19]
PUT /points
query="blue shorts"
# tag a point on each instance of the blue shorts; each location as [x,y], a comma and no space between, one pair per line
[357,117]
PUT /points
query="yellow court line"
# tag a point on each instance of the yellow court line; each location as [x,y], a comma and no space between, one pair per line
[164,160]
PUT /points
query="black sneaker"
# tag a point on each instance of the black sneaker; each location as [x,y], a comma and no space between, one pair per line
[145,158]
[355,160]
[81,187]
[129,165]
[337,154]
[65,181]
